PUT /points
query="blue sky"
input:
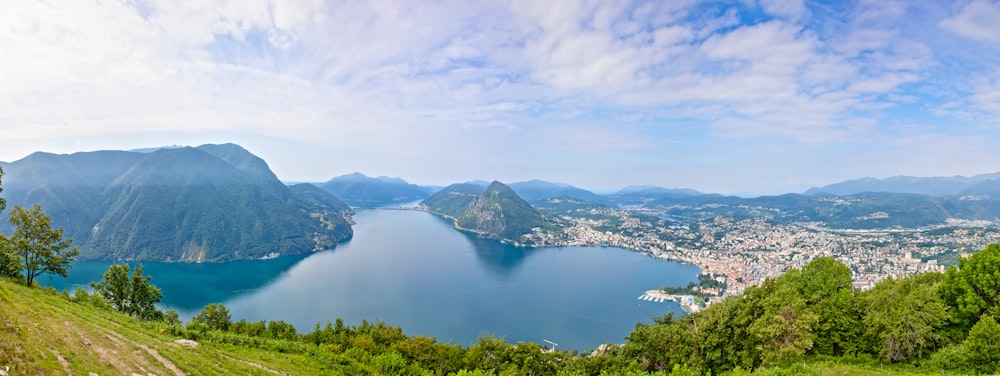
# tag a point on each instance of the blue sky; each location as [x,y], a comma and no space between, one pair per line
[748,97]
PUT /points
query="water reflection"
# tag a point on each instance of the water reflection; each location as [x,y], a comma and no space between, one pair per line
[189,286]
[502,260]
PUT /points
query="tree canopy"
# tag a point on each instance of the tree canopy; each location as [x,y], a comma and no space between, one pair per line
[133,294]
[37,247]
[973,287]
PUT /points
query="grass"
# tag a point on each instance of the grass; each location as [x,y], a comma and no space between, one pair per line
[44,333]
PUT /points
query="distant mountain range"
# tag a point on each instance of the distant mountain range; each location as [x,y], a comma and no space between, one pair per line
[535,190]
[210,203]
[360,190]
[932,186]
[495,211]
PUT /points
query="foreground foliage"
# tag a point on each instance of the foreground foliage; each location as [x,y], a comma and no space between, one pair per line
[35,248]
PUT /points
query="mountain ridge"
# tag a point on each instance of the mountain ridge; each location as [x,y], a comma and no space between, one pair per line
[210,203]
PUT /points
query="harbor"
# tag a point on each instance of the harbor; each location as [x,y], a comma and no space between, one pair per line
[687,302]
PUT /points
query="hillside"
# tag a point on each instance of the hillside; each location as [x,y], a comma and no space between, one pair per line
[495,212]
[44,333]
[211,203]
[360,190]
[453,199]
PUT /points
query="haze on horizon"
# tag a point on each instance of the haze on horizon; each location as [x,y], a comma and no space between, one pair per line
[753,97]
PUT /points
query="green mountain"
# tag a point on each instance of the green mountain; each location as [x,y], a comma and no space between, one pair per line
[360,190]
[211,203]
[496,212]
[453,200]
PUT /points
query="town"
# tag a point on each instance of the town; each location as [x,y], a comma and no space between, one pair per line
[744,252]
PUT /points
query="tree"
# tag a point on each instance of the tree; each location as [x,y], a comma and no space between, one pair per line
[133,295]
[902,316]
[785,328]
[3,203]
[8,263]
[972,288]
[215,316]
[983,345]
[825,284]
[39,249]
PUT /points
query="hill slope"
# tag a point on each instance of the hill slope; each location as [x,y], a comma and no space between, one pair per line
[44,333]
[495,212]
[358,189]
[536,190]
[211,203]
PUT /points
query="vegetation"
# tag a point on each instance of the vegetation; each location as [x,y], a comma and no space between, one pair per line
[360,190]
[210,203]
[497,212]
[133,295]
[704,282]
[35,248]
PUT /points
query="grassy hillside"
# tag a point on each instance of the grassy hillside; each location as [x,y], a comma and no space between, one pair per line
[44,333]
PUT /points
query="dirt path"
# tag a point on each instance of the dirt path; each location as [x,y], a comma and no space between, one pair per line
[152,352]
[63,362]
[256,365]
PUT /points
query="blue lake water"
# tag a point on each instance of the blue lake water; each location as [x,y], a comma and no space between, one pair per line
[412,269]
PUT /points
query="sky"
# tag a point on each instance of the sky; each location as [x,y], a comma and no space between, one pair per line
[739,97]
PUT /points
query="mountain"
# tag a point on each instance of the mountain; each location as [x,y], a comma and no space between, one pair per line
[211,203]
[496,212]
[536,190]
[360,190]
[649,195]
[932,186]
[655,192]
[454,199]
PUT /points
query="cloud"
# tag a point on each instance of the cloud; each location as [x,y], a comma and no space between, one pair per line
[457,79]
[976,20]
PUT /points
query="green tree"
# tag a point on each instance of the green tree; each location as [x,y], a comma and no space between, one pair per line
[825,284]
[8,262]
[785,328]
[38,247]
[133,294]
[666,343]
[902,316]
[972,288]
[215,316]
[3,203]
[983,345]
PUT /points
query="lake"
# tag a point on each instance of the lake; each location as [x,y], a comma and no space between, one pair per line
[412,269]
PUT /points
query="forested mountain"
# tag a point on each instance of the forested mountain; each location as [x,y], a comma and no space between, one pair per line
[211,203]
[536,190]
[644,194]
[453,199]
[933,186]
[495,212]
[871,210]
[360,190]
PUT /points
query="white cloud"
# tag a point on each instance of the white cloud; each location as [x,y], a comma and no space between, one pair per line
[976,20]
[465,77]
[792,9]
